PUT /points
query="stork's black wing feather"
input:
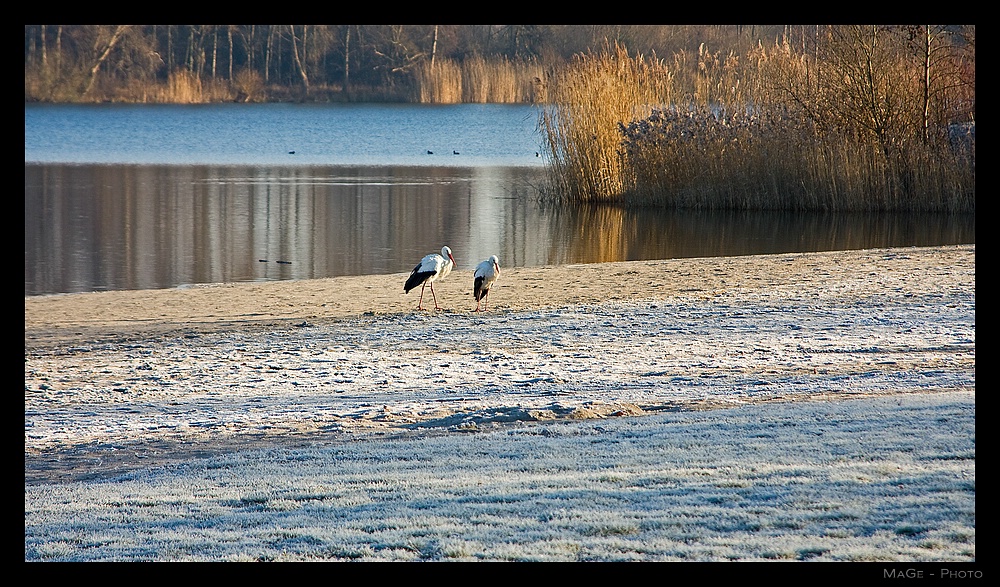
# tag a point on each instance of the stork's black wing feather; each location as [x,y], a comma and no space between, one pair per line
[416,278]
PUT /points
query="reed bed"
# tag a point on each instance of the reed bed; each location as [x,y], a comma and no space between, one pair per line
[714,159]
[500,80]
[440,83]
[588,100]
[480,80]
[627,130]
[49,84]
[182,87]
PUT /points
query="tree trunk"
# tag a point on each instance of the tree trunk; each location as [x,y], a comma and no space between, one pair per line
[347,60]
[59,32]
[249,42]
[45,55]
[434,47]
[267,54]
[927,82]
[215,48]
[298,61]
[115,37]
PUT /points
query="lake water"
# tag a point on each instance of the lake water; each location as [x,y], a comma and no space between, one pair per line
[143,197]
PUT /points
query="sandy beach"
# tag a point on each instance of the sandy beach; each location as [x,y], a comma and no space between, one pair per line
[61,320]
[143,382]
[163,348]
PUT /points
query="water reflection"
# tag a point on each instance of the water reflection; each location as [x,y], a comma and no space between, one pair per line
[609,233]
[103,227]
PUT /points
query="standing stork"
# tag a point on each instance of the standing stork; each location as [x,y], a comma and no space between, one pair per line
[486,273]
[430,269]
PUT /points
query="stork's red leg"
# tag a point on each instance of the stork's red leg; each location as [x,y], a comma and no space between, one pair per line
[420,302]
[436,306]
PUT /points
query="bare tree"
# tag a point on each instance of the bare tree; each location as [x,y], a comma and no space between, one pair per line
[864,86]
[396,49]
[215,49]
[938,50]
[103,49]
[434,46]
[347,59]
[300,61]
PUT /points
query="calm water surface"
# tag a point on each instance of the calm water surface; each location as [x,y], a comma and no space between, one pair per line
[143,197]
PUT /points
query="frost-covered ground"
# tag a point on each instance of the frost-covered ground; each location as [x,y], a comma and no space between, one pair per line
[878,479]
[834,421]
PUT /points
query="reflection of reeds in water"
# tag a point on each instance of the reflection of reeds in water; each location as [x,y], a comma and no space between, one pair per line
[600,233]
[597,233]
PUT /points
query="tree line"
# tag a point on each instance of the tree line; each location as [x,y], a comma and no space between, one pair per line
[826,117]
[81,63]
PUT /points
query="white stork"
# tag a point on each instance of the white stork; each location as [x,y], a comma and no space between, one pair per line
[430,269]
[486,273]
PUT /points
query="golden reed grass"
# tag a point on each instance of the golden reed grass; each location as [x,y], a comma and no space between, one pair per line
[181,87]
[479,80]
[588,99]
[709,158]
[617,135]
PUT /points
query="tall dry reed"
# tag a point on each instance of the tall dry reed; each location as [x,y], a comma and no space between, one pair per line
[181,87]
[705,158]
[440,83]
[499,81]
[478,80]
[707,77]
[732,140]
[589,99]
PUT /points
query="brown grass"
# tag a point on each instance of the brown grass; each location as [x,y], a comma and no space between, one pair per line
[590,98]
[709,158]
[478,80]
[627,130]
[440,84]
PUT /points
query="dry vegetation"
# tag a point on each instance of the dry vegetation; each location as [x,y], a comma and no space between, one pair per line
[479,80]
[713,158]
[589,97]
[839,118]
[857,125]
